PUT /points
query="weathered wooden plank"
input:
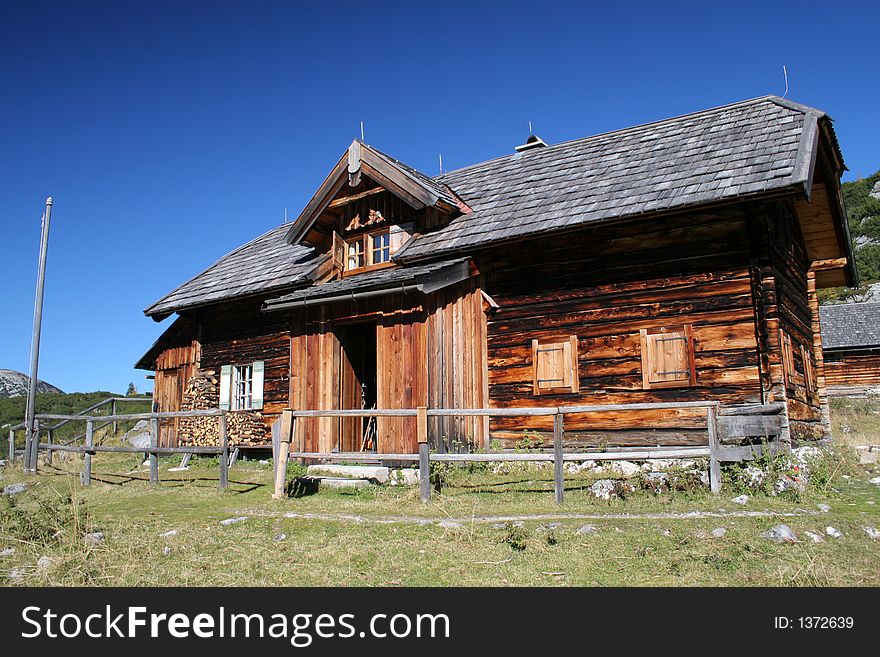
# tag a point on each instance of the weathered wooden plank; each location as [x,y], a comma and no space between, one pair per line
[746,426]
[558,470]
[87,456]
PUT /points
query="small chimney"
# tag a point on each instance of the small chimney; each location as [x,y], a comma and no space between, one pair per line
[534,141]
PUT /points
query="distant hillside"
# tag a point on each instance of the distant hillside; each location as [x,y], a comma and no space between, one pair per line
[862,199]
[15,384]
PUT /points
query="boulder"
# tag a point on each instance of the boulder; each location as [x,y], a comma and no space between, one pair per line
[872,532]
[781,534]
[404,477]
[833,532]
[754,477]
[623,468]
[139,435]
[813,536]
[742,500]
[875,481]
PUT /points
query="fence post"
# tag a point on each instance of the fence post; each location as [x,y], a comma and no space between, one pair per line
[558,472]
[288,426]
[224,453]
[11,447]
[424,454]
[154,457]
[35,449]
[113,412]
[714,465]
[87,456]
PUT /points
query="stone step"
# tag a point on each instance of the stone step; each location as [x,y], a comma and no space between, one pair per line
[376,473]
[338,482]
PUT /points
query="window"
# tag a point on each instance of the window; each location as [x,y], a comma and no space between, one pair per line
[833,357]
[668,357]
[368,249]
[555,365]
[355,254]
[380,249]
[241,386]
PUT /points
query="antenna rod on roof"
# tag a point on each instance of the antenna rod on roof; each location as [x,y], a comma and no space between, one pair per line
[362,131]
[441,164]
[530,128]
[785,74]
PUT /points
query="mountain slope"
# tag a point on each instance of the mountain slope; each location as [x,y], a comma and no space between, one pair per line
[15,384]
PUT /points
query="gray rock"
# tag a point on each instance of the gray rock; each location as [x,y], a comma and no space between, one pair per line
[553,525]
[95,538]
[785,484]
[450,524]
[280,536]
[741,500]
[16,574]
[824,508]
[659,481]
[179,468]
[232,521]
[719,532]
[7,552]
[14,489]
[754,476]
[587,529]
[813,536]
[44,563]
[872,532]
[833,532]
[781,534]
[166,550]
[169,534]
[606,489]
[875,481]
[139,435]
[263,462]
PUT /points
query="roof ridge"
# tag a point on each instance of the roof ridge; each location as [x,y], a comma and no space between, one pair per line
[788,104]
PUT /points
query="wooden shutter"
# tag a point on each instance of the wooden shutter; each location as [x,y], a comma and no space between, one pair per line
[257,385]
[399,235]
[788,370]
[809,370]
[338,253]
[225,386]
[668,358]
[554,365]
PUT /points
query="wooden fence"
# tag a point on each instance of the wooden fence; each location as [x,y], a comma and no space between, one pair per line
[730,425]
[742,422]
[88,449]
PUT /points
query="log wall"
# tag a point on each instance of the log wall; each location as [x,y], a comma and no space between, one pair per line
[855,369]
[604,285]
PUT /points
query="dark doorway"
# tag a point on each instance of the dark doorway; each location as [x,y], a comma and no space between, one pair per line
[357,385]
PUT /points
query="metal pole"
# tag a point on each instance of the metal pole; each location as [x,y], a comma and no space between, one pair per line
[35,339]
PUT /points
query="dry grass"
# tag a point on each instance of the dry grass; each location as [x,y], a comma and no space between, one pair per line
[633,550]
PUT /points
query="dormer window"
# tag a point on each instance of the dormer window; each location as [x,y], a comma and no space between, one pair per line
[368,249]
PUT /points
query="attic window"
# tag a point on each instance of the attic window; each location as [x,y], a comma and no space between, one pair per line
[668,357]
[368,250]
[555,365]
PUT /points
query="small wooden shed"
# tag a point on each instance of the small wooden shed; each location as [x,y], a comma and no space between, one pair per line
[851,347]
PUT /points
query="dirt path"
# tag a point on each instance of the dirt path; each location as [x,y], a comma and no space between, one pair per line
[390,520]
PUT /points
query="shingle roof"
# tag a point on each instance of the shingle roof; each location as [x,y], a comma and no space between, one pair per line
[263,264]
[850,325]
[760,145]
[714,155]
[435,274]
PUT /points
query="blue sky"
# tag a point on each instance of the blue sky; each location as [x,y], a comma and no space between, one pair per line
[171,132]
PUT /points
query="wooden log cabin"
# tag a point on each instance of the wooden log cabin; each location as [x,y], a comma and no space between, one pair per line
[672,261]
[851,347]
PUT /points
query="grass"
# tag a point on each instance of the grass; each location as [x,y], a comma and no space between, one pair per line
[856,421]
[635,550]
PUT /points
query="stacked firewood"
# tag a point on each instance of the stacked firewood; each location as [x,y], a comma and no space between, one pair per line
[243,427]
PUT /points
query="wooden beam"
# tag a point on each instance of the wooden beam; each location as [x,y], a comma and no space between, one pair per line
[224,454]
[424,455]
[714,465]
[830,263]
[154,457]
[558,469]
[87,456]
[345,200]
